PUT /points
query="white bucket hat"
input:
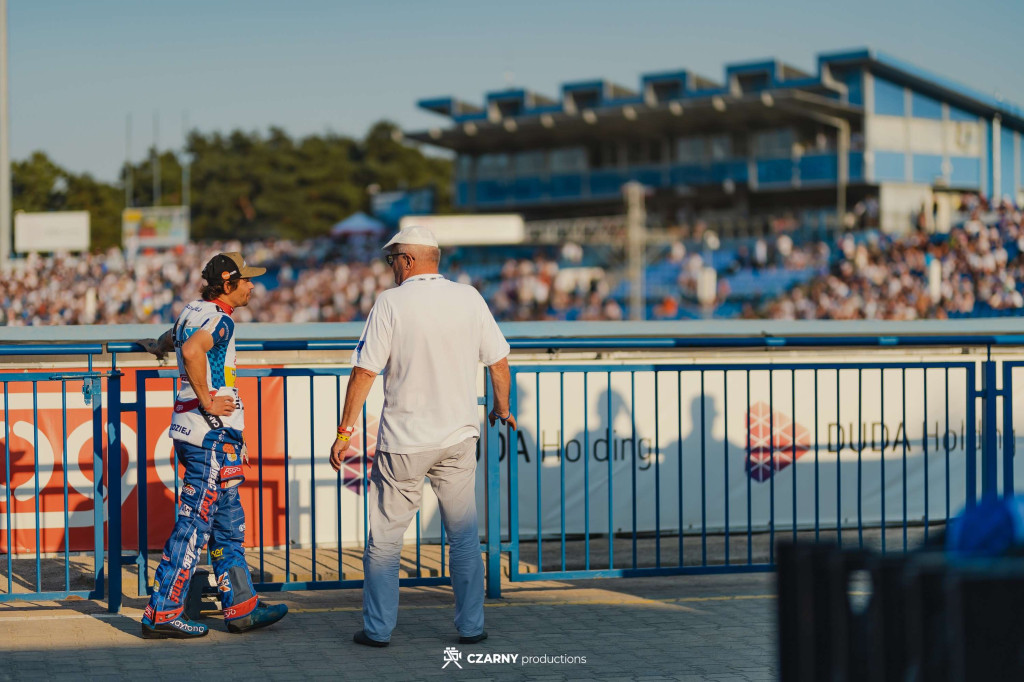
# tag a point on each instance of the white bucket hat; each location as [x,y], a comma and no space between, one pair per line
[414,234]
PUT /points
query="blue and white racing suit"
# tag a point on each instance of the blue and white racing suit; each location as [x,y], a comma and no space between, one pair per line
[211,450]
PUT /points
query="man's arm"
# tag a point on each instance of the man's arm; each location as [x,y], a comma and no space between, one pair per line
[159,347]
[193,353]
[359,383]
[501,383]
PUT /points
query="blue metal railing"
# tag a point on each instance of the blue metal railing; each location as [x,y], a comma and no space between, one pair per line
[289,464]
[768,453]
[639,512]
[48,584]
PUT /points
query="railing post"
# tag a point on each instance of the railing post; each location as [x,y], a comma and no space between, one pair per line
[93,386]
[493,496]
[1009,443]
[990,435]
[114,488]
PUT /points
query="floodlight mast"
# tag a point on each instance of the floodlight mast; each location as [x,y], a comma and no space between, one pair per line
[5,144]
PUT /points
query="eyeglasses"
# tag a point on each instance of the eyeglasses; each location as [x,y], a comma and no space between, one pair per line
[390,258]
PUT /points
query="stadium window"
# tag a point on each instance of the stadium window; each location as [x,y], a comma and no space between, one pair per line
[889,98]
[492,166]
[690,149]
[586,99]
[774,144]
[642,152]
[568,160]
[922,106]
[607,155]
[956,114]
[720,146]
[464,166]
[530,163]
[656,152]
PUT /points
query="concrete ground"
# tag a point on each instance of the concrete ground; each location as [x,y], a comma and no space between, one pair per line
[679,628]
[694,627]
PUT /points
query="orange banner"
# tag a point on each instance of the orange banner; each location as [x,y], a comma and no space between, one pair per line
[49,452]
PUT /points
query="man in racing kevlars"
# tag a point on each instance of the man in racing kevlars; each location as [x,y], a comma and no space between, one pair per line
[206,428]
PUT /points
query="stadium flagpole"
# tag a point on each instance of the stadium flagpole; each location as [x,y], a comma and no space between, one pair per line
[5,146]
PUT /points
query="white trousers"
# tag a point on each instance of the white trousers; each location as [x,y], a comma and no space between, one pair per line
[396,483]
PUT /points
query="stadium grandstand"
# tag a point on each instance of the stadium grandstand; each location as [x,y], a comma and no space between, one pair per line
[769,139]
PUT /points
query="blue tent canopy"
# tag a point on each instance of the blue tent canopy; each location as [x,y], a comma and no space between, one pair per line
[357,223]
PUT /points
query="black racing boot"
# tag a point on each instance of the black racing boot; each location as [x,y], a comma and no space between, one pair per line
[260,617]
[179,628]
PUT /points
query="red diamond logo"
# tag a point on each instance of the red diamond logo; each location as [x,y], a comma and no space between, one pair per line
[775,441]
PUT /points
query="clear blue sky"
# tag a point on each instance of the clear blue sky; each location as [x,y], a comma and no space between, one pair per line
[78,68]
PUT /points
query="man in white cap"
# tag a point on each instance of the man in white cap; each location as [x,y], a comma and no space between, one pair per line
[427,337]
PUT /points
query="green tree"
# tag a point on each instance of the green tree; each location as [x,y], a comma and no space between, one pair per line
[245,185]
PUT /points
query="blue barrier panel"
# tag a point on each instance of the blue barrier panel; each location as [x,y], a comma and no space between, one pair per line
[879,460]
[807,467]
[43,536]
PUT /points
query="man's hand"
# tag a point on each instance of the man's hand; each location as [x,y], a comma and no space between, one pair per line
[508,419]
[338,451]
[153,346]
[221,406]
[158,347]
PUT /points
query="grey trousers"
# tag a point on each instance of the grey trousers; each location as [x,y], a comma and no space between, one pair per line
[396,482]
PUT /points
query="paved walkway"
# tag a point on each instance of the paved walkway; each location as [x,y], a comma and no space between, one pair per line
[679,628]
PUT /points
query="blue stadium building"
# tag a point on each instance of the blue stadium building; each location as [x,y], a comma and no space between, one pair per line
[768,138]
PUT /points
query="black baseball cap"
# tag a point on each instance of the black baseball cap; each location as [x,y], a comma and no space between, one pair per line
[229,266]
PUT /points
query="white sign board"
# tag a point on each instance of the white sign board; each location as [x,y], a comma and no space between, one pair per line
[471,230]
[739,456]
[51,231]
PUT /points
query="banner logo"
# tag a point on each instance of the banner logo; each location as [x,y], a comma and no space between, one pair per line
[775,441]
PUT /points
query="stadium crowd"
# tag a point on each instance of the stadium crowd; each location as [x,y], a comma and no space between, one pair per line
[866,275]
[979,270]
[307,282]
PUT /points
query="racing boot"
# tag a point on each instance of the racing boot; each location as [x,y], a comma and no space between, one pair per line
[260,617]
[179,628]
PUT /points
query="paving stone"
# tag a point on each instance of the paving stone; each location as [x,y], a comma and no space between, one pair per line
[628,629]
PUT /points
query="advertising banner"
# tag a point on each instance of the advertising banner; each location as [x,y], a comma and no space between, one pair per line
[763,446]
[53,454]
[51,231]
[154,227]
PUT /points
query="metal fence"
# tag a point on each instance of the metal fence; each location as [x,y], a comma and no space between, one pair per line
[628,468]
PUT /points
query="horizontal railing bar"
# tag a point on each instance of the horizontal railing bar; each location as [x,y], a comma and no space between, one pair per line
[642,572]
[734,367]
[566,343]
[344,584]
[53,349]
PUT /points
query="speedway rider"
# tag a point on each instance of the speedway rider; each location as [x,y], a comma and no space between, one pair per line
[206,428]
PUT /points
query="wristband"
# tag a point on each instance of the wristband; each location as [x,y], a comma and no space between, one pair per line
[345,433]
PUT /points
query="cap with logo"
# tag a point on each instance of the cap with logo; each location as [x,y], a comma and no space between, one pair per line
[229,266]
[414,234]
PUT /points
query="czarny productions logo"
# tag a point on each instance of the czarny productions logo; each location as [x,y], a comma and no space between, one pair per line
[453,655]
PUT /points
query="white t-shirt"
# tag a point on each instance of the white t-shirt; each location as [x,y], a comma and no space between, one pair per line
[427,337]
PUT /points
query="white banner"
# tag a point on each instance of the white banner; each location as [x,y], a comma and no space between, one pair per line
[51,231]
[738,457]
